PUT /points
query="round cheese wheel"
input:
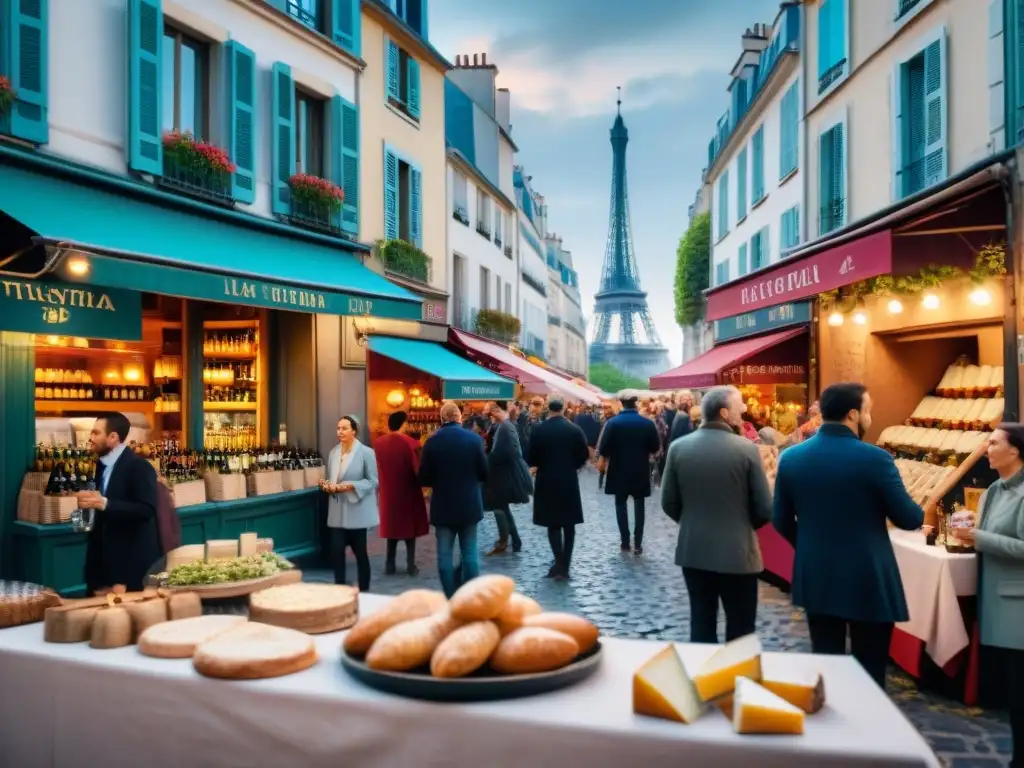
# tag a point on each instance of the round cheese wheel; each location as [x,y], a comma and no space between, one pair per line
[311,608]
[178,639]
[253,651]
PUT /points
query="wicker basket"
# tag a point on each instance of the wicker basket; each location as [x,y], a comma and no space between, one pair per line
[56,509]
[293,479]
[265,483]
[28,505]
[35,481]
[189,494]
[23,603]
[224,487]
[314,475]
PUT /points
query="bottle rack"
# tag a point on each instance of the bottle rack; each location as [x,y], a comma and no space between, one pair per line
[233,383]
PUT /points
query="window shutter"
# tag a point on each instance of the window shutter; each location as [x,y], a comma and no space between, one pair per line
[1016,122]
[391,201]
[743,259]
[758,171]
[837,24]
[241,64]
[413,79]
[825,201]
[899,128]
[145,34]
[282,155]
[935,111]
[824,36]
[25,30]
[347,25]
[741,184]
[392,83]
[416,207]
[344,152]
[723,205]
[838,172]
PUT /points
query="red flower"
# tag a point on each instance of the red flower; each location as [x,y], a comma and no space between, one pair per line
[191,151]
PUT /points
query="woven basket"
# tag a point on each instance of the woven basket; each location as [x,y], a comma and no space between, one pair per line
[28,505]
[265,483]
[22,603]
[56,509]
[224,487]
[189,494]
[293,479]
[314,475]
[35,481]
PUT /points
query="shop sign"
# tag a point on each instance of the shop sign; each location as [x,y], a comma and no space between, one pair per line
[477,390]
[435,312]
[765,374]
[65,309]
[802,278]
[761,320]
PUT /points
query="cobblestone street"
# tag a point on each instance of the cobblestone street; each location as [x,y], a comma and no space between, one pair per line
[628,596]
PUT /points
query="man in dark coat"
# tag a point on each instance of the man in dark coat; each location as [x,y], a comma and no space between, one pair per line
[587,421]
[627,445]
[833,494]
[508,478]
[454,466]
[558,449]
[123,544]
[681,425]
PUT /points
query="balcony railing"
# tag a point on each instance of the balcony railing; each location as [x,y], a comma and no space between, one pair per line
[461,214]
[508,251]
[304,11]
[920,174]
[832,74]
[905,7]
[554,320]
[833,214]
[405,259]
[211,186]
[315,217]
[538,285]
[481,229]
[497,241]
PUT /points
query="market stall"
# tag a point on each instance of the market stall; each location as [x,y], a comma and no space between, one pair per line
[322,716]
[418,376]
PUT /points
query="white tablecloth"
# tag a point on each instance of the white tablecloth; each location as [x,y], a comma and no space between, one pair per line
[66,706]
[933,579]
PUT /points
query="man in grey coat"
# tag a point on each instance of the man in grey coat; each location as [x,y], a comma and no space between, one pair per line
[715,488]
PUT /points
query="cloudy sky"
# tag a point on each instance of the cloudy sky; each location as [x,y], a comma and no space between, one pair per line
[562,60]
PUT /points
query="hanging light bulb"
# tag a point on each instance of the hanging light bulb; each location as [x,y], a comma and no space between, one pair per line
[981,297]
[895,306]
[930,301]
[860,318]
[835,319]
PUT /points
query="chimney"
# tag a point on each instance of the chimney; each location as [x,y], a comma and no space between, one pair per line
[483,59]
[476,59]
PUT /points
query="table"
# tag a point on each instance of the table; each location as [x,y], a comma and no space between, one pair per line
[69,705]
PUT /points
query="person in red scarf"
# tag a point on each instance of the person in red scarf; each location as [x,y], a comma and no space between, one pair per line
[403,513]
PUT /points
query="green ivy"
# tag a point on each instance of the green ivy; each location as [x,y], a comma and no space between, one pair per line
[693,270]
[497,325]
[405,259]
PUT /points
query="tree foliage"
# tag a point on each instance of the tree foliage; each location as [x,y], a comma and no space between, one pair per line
[611,379]
[693,270]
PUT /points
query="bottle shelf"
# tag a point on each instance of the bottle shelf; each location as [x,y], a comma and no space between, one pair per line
[232,356]
[210,405]
[104,406]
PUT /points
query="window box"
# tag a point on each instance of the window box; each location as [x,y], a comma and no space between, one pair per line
[498,326]
[404,259]
[196,169]
[508,251]
[904,7]
[315,204]
[497,241]
[482,230]
[832,74]
[461,214]
[6,95]
[538,285]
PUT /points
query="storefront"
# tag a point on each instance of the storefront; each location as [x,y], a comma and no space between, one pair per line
[417,377]
[199,325]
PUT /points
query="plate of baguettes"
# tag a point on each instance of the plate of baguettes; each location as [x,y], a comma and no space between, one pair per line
[488,642]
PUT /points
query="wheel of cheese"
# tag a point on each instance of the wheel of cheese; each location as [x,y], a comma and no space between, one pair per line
[178,639]
[253,651]
[310,608]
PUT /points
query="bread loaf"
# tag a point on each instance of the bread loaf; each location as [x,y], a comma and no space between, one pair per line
[410,645]
[178,639]
[533,649]
[112,628]
[482,598]
[517,608]
[253,651]
[579,629]
[146,613]
[465,650]
[184,605]
[414,604]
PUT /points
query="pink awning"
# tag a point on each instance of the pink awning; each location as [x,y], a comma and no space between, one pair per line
[703,371]
[504,361]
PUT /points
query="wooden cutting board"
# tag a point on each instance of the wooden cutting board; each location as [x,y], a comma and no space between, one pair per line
[240,588]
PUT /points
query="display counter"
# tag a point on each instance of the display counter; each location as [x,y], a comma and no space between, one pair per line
[167,715]
[55,554]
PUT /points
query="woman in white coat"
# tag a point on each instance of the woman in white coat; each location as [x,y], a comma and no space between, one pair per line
[352,510]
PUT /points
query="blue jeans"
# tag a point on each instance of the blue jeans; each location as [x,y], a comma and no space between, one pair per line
[468,553]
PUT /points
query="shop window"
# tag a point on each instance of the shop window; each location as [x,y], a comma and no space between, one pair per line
[403,81]
[920,124]
[185,86]
[403,200]
[309,134]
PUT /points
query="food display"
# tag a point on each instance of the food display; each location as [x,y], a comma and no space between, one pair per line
[309,608]
[179,639]
[23,603]
[254,651]
[205,572]
[921,478]
[758,696]
[487,633]
[111,621]
[965,380]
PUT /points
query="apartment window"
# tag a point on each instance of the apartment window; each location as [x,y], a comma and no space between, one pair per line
[497,292]
[832,55]
[485,288]
[403,81]
[903,7]
[185,86]
[723,205]
[403,199]
[412,13]
[483,213]
[789,232]
[309,134]
[460,198]
[306,11]
[508,297]
[760,255]
[920,128]
[832,179]
[499,215]
[789,131]
[741,185]
[757,192]
[743,268]
[722,272]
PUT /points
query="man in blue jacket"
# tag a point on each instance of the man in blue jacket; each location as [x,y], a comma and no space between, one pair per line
[454,466]
[833,494]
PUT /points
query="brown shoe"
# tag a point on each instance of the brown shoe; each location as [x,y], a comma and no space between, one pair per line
[500,547]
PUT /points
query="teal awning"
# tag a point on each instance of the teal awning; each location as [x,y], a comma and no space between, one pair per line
[146,240]
[460,379]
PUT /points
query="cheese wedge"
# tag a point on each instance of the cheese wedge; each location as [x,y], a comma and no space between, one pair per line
[758,710]
[220,549]
[189,553]
[663,688]
[800,687]
[247,544]
[739,658]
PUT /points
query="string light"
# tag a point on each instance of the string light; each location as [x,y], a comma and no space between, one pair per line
[981,297]
[895,306]
[835,319]
[930,301]
[860,318]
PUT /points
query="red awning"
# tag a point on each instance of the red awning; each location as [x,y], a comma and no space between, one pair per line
[507,363]
[703,371]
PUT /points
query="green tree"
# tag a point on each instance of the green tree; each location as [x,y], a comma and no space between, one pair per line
[611,379]
[693,270]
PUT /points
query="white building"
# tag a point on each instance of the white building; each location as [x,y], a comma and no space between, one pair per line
[698,337]
[567,329]
[754,160]
[534,288]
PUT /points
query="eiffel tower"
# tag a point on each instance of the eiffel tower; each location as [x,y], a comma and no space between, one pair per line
[624,334]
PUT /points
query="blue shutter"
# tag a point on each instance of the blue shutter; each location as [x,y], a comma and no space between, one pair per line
[145,35]
[743,260]
[25,37]
[900,128]
[757,191]
[741,184]
[412,74]
[723,205]
[1015,51]
[838,27]
[241,67]
[935,163]
[789,142]
[391,202]
[824,36]
[346,25]
[282,154]
[416,207]
[392,82]
[825,182]
[345,159]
